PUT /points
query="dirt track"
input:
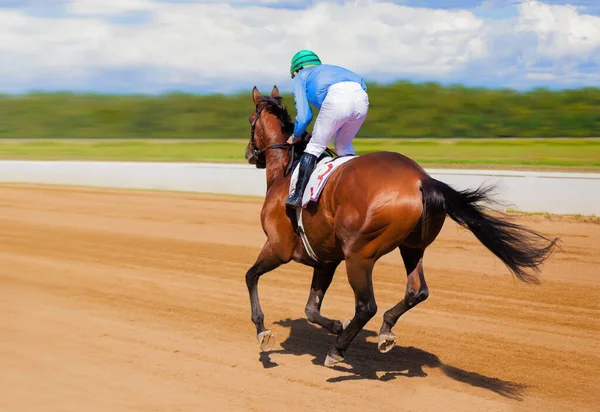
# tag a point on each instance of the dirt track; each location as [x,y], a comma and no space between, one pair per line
[122,301]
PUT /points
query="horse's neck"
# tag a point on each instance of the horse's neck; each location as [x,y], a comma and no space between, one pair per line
[277,160]
[276,175]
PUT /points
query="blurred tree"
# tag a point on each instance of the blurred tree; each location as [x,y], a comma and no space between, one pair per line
[401,109]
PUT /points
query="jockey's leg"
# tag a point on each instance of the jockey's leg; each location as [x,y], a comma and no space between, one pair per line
[350,128]
[327,123]
[347,133]
[305,168]
[326,126]
[338,107]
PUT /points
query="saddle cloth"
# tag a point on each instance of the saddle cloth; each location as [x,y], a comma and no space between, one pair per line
[322,171]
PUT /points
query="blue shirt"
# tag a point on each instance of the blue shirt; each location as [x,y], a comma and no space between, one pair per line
[311,85]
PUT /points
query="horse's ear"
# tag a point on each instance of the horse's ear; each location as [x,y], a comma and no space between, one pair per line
[255,95]
[275,92]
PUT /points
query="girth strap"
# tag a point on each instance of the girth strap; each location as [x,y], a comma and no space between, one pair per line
[305,241]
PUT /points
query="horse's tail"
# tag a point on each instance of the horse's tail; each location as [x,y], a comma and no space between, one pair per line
[517,246]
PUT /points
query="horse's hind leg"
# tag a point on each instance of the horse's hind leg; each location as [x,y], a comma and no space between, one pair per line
[267,261]
[360,277]
[321,280]
[416,292]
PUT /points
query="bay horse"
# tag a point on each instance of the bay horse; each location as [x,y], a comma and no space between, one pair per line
[372,205]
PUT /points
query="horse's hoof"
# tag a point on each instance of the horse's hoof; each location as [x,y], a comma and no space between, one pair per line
[386,342]
[265,340]
[332,360]
[345,324]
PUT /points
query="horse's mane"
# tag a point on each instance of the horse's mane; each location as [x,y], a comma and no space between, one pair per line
[274,106]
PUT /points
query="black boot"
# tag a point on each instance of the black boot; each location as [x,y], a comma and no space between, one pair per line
[307,165]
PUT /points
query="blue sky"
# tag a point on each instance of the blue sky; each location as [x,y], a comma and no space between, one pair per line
[156,46]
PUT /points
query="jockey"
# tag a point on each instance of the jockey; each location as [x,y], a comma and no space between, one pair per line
[341,98]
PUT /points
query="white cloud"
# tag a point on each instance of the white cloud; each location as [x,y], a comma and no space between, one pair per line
[561,31]
[103,7]
[557,41]
[223,47]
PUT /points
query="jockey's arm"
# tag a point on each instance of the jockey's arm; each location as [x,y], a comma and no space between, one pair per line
[303,112]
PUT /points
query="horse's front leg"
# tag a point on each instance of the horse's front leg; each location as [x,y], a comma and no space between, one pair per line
[267,261]
[322,277]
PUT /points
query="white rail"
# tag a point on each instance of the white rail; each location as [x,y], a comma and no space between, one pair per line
[564,193]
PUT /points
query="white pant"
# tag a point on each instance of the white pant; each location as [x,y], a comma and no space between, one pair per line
[342,113]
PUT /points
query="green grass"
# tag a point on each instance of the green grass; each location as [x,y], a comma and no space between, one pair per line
[575,154]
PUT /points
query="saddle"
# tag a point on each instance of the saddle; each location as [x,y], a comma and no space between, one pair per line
[326,165]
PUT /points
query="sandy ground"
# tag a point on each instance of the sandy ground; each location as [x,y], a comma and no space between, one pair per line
[136,301]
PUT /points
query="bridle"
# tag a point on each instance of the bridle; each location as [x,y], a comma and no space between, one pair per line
[259,154]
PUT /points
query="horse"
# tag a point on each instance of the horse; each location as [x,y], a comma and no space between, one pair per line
[372,205]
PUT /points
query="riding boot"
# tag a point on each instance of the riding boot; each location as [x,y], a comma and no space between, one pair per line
[306,167]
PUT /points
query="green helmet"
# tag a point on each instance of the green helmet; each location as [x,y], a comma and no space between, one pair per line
[303,58]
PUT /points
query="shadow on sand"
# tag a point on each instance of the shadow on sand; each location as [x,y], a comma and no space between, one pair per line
[366,361]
